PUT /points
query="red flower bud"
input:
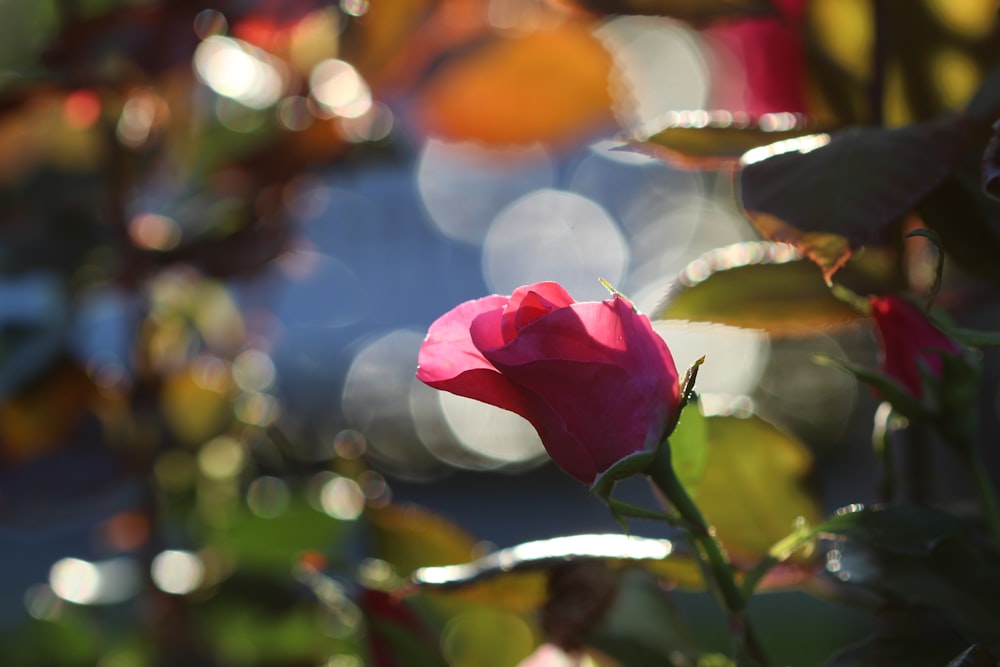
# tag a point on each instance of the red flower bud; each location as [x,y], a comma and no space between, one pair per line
[593,378]
[908,339]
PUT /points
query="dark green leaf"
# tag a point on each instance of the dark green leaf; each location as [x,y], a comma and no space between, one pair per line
[880,651]
[974,656]
[859,182]
[756,285]
[967,221]
[903,529]
[922,557]
[695,11]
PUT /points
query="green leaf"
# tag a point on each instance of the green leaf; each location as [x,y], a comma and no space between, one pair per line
[689,447]
[752,491]
[766,286]
[271,544]
[859,182]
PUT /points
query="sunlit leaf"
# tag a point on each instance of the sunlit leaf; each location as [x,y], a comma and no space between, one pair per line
[548,86]
[515,578]
[716,139]
[689,447]
[856,184]
[756,285]
[411,537]
[752,491]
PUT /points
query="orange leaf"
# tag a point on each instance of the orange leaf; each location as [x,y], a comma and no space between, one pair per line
[549,86]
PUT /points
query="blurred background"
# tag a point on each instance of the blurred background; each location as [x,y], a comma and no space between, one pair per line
[225,229]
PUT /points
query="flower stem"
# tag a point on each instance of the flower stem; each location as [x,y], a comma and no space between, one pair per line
[984,489]
[747,650]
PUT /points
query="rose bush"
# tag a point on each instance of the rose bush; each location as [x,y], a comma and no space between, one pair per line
[908,341]
[593,378]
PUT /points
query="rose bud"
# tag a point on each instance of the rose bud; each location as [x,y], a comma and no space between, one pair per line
[593,378]
[911,346]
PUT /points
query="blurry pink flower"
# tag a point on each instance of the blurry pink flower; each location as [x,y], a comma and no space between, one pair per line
[763,68]
[593,378]
[908,339]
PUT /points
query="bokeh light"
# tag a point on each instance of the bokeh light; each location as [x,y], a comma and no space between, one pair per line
[354,7]
[464,186]
[150,231]
[177,572]
[342,498]
[268,497]
[253,370]
[376,402]
[554,235]
[221,458]
[240,71]
[339,89]
[104,582]
[660,66]
[374,124]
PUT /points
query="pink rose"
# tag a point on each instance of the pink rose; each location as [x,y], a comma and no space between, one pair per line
[908,339]
[593,378]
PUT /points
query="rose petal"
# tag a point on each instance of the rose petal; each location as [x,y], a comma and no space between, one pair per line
[449,361]
[448,350]
[530,302]
[608,381]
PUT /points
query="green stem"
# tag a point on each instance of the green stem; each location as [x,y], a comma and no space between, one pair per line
[747,649]
[984,489]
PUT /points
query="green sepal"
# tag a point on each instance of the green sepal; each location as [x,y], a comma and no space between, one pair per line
[622,511]
[633,464]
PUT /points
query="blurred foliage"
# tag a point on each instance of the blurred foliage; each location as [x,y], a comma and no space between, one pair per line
[138,176]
